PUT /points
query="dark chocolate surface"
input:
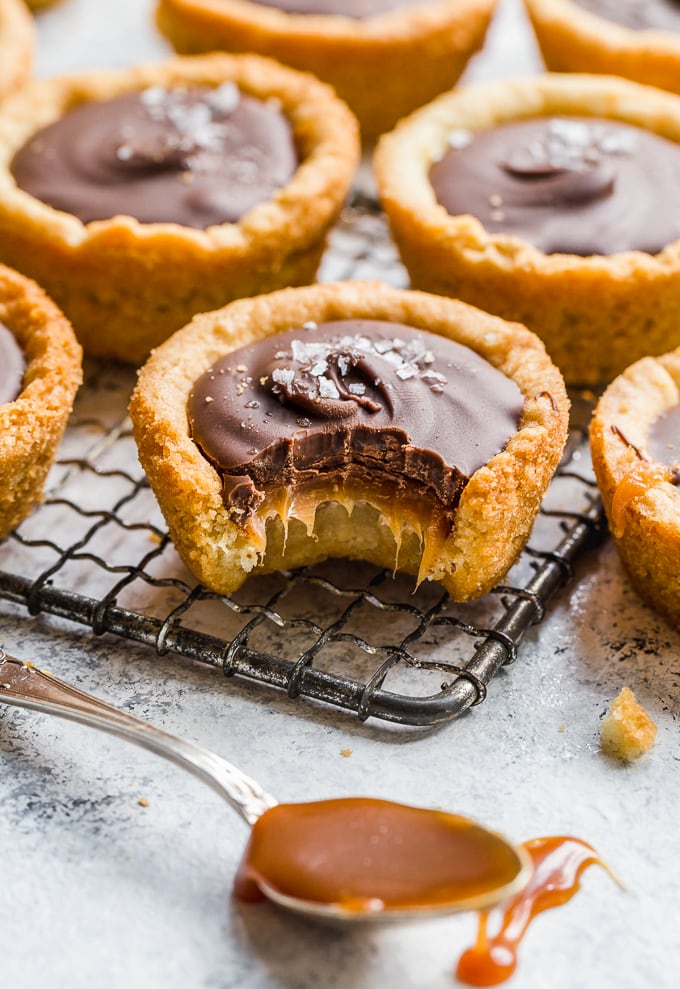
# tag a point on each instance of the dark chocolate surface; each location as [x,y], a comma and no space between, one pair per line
[197,157]
[12,366]
[664,438]
[663,15]
[571,185]
[358,9]
[351,397]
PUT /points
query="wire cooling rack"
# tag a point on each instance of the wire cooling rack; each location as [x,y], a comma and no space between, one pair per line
[348,634]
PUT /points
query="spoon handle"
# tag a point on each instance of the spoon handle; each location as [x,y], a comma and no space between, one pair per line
[24,685]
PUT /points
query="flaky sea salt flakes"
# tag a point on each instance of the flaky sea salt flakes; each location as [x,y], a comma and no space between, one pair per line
[459,138]
[357,388]
[153,96]
[406,371]
[573,132]
[310,325]
[319,368]
[382,346]
[617,142]
[328,389]
[283,376]
[225,98]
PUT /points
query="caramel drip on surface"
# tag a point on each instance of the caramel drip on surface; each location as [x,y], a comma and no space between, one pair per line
[558,863]
[637,481]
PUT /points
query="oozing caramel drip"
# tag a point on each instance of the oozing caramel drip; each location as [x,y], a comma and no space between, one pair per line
[636,482]
[348,399]
[559,863]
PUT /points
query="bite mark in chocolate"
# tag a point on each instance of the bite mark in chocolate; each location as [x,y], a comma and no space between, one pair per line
[194,156]
[415,411]
[572,185]
[12,366]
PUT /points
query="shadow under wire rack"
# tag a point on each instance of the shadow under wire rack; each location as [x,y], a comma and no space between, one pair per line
[344,633]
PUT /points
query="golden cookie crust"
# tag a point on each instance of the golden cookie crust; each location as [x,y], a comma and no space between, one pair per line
[595,314]
[572,39]
[32,425]
[383,66]
[125,285]
[646,527]
[497,507]
[17,41]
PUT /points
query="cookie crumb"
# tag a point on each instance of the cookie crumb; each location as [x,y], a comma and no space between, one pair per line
[143,802]
[345,752]
[627,731]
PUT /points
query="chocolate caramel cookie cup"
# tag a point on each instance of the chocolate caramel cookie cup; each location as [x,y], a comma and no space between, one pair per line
[621,39]
[321,422]
[46,373]
[596,312]
[633,437]
[383,58]
[17,41]
[125,283]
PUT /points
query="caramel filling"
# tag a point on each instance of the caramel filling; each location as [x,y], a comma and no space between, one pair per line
[351,411]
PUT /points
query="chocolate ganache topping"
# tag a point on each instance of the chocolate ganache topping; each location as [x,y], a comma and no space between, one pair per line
[346,398]
[661,15]
[572,185]
[196,156]
[12,366]
[358,9]
[664,438]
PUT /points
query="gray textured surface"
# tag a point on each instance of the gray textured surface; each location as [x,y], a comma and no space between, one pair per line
[96,890]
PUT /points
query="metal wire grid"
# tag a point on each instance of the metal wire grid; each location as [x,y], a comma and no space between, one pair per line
[348,634]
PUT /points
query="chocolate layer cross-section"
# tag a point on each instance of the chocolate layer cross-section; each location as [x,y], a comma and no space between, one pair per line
[411,410]
[12,366]
[194,156]
[567,185]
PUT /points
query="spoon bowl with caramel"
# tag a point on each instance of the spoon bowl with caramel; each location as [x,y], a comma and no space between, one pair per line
[353,859]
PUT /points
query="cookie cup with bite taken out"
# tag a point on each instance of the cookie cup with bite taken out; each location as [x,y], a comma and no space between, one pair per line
[350,420]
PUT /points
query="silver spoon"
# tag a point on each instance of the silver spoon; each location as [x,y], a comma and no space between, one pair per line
[24,685]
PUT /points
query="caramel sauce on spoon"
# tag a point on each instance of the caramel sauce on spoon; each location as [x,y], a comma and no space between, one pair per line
[364,856]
